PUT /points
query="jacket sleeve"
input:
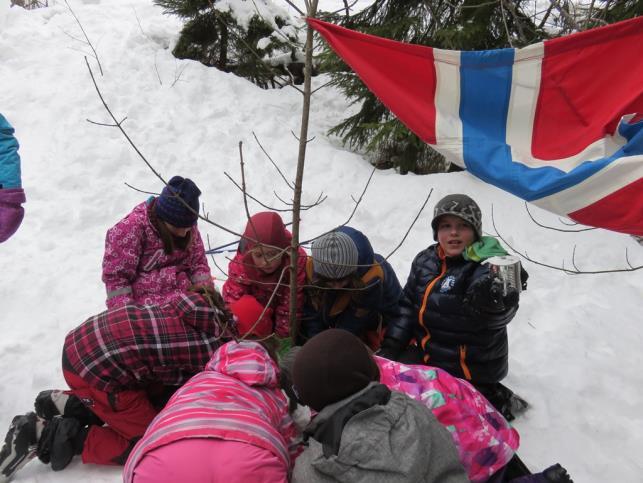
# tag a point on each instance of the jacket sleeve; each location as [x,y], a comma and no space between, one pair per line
[292,437]
[9,157]
[282,309]
[12,196]
[199,270]
[233,288]
[389,305]
[401,328]
[197,313]
[123,248]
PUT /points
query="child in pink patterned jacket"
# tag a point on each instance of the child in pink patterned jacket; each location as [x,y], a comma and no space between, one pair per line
[256,270]
[228,423]
[156,252]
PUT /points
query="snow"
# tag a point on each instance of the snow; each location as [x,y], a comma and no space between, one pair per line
[574,345]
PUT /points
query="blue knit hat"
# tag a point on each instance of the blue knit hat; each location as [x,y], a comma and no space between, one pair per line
[169,207]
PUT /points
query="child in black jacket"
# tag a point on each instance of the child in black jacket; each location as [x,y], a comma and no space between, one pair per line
[454,307]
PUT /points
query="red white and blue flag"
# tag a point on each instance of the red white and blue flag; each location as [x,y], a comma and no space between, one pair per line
[558,123]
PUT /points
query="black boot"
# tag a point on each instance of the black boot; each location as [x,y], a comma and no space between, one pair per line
[52,403]
[19,445]
[61,439]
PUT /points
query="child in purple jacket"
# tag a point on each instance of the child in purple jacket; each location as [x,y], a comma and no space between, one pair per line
[156,253]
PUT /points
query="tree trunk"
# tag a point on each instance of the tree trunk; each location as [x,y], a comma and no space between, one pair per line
[303,141]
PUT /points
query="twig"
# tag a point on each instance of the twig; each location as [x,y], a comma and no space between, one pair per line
[350,217]
[411,226]
[100,67]
[156,68]
[296,8]
[504,21]
[141,191]
[554,267]
[105,124]
[288,183]
[553,228]
[320,199]
[177,77]
[240,188]
[140,154]
[321,86]
[213,258]
[265,308]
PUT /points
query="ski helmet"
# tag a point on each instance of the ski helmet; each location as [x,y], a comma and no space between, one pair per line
[461,206]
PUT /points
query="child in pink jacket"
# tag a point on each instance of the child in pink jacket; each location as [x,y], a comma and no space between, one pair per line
[257,266]
[156,253]
[228,423]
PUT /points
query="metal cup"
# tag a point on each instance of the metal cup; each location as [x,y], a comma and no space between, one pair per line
[507,269]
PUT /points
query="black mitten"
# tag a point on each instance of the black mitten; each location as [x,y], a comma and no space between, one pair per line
[511,299]
[486,294]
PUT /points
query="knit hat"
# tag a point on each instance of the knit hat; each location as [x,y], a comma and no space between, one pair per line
[266,228]
[332,366]
[247,311]
[169,207]
[461,206]
[334,255]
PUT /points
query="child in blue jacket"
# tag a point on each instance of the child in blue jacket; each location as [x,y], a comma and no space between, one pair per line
[349,287]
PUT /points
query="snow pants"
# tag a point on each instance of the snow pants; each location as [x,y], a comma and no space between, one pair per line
[210,459]
[125,413]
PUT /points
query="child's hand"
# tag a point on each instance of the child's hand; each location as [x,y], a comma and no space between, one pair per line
[486,294]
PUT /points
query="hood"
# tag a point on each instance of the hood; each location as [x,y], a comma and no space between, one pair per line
[266,228]
[392,459]
[247,361]
[366,256]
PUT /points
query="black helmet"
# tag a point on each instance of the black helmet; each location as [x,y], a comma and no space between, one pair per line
[461,206]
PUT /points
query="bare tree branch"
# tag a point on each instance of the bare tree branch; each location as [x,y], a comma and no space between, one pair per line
[554,267]
[297,9]
[288,183]
[141,191]
[350,217]
[411,226]
[504,21]
[320,199]
[140,154]
[100,67]
[245,193]
[553,228]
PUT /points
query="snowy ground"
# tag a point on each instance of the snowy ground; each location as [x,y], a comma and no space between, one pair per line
[575,344]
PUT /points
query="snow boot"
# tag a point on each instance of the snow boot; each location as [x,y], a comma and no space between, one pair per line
[508,403]
[61,439]
[52,403]
[19,445]
[557,474]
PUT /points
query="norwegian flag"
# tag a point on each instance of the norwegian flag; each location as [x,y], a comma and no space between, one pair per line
[558,123]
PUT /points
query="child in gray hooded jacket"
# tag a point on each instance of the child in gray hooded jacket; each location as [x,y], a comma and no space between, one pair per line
[363,432]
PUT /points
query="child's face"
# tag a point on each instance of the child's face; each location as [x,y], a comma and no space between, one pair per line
[177,231]
[454,235]
[266,259]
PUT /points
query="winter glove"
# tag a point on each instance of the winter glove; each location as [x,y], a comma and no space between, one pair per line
[11,211]
[247,312]
[486,295]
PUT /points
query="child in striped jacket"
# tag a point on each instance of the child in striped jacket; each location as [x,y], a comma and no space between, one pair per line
[228,423]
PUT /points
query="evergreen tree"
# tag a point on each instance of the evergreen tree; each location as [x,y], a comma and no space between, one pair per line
[446,24]
[263,48]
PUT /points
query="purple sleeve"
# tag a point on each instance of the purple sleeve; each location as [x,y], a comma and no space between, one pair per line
[123,248]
